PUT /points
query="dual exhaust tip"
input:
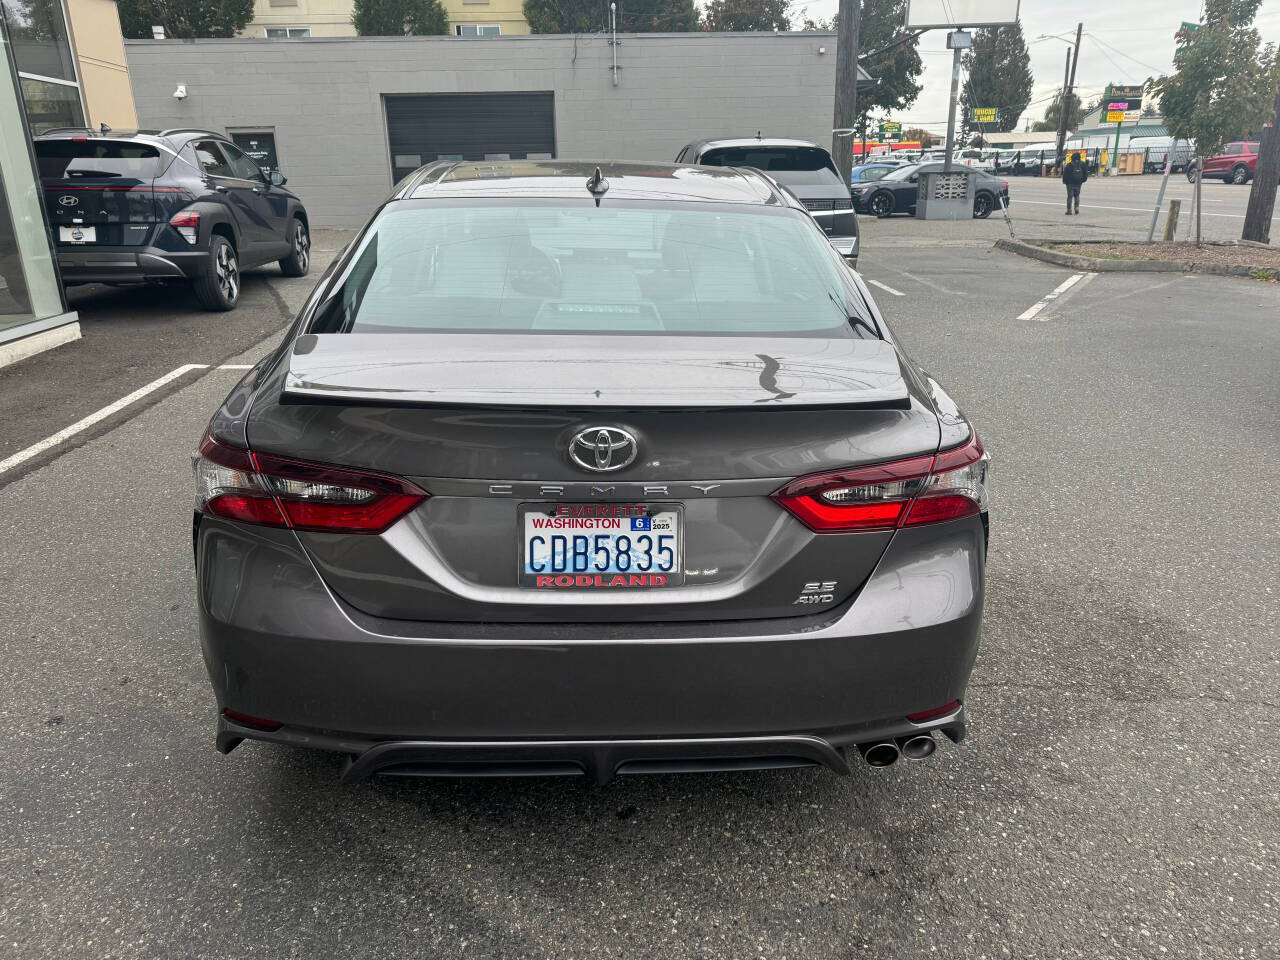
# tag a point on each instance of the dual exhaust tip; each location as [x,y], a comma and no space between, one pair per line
[885,753]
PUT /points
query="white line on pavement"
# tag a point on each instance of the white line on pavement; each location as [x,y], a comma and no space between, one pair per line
[1058,291]
[80,425]
[1098,206]
[885,287]
[235,366]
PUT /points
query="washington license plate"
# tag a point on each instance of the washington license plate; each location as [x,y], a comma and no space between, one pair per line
[601,545]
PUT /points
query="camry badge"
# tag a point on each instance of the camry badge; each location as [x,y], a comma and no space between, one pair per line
[602,449]
[69,201]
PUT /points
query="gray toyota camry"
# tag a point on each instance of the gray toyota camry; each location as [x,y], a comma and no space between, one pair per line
[569,468]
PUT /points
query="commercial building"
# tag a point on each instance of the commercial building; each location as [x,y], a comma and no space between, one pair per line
[63,65]
[345,119]
[302,19]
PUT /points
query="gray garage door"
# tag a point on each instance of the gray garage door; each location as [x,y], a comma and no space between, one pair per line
[423,128]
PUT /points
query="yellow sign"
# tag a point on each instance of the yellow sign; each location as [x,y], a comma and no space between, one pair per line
[1115,116]
[984,114]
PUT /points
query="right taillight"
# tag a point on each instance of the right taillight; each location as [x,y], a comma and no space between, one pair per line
[187,223]
[277,491]
[904,493]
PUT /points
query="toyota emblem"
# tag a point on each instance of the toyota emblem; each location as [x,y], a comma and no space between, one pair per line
[68,201]
[603,449]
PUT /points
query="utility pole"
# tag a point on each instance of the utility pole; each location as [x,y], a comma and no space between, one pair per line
[1068,94]
[1262,195]
[955,92]
[846,111]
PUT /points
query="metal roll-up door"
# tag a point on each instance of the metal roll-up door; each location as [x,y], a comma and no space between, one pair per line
[423,128]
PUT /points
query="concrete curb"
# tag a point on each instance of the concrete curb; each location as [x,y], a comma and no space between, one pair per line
[1098,265]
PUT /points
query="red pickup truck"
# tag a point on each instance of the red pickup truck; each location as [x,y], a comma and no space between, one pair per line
[1237,163]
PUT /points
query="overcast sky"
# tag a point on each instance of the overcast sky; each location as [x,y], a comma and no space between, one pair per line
[1125,41]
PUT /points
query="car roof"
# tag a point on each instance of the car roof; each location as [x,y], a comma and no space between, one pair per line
[562,179]
[702,146]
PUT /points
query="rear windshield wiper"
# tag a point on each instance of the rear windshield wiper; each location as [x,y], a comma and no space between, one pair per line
[92,173]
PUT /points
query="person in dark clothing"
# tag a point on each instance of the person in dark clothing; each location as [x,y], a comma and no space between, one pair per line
[1074,174]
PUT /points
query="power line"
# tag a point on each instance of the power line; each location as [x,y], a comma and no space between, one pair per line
[1098,39]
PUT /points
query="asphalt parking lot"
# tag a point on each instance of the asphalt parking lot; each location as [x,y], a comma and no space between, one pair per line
[1117,797]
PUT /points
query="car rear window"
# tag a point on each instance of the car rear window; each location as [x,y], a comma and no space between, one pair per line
[542,266]
[60,159]
[793,166]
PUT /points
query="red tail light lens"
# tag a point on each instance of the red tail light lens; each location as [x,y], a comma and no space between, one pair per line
[904,493]
[187,223]
[282,492]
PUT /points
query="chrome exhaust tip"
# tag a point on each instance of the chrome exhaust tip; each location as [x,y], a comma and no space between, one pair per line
[917,746]
[883,754]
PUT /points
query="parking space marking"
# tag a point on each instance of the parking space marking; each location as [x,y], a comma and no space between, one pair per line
[98,415]
[1098,206]
[235,366]
[885,287]
[1031,312]
[936,286]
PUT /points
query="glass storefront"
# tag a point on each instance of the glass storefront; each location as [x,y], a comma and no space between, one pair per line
[30,294]
[40,46]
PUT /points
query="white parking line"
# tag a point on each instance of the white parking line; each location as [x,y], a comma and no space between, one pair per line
[98,415]
[885,287]
[1098,206]
[1058,291]
[235,366]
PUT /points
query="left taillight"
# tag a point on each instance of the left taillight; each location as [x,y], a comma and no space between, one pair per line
[904,493]
[282,492]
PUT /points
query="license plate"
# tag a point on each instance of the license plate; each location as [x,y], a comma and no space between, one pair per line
[78,234]
[581,546]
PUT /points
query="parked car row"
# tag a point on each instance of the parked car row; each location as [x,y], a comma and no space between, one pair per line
[173,205]
[896,192]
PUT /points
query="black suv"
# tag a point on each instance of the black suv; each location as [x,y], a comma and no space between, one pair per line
[167,205]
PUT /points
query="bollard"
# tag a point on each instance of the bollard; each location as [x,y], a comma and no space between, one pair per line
[1171,223]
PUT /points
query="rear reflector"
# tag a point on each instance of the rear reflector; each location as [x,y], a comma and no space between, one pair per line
[247,721]
[884,496]
[282,492]
[924,716]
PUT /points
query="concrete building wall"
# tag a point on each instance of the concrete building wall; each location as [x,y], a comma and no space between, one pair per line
[324,98]
[103,68]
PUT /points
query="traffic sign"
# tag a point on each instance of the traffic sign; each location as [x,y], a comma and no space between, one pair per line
[984,114]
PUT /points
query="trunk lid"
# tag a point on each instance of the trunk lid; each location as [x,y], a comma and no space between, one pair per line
[105,185]
[485,424]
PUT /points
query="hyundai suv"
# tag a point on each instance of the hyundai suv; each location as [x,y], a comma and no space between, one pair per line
[174,205]
[804,168]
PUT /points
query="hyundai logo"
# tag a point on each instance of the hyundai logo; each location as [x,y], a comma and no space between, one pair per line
[602,449]
[68,201]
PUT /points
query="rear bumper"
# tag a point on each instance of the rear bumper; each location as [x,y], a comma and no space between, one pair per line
[88,264]
[599,699]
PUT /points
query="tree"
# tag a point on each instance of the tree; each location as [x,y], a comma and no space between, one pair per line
[747,15]
[925,138]
[184,19]
[399,18]
[592,16]
[1262,195]
[1053,113]
[892,57]
[1223,79]
[999,75]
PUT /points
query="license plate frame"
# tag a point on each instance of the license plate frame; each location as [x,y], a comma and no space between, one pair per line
[595,580]
[68,234]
